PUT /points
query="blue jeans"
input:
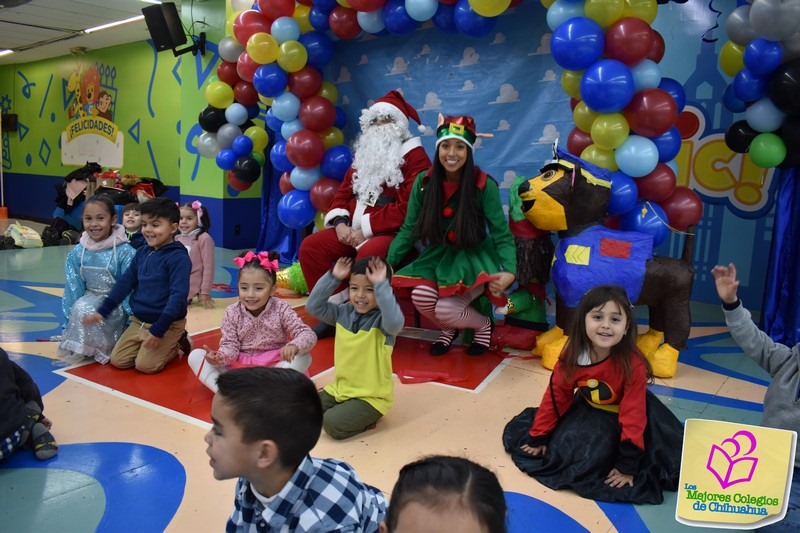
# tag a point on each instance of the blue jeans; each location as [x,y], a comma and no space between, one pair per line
[791,522]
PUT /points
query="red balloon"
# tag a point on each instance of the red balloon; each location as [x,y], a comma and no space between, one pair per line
[305,149]
[449,2]
[366,5]
[249,22]
[275,9]
[309,3]
[237,184]
[344,23]
[612,222]
[322,192]
[573,102]
[651,112]
[683,208]
[305,82]
[578,141]
[285,183]
[226,71]
[245,93]
[317,113]
[688,124]
[657,51]
[514,3]
[658,185]
[246,67]
[629,40]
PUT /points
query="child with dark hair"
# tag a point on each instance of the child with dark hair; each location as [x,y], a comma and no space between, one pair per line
[258,330]
[441,493]
[132,221]
[157,282]
[266,421]
[22,422]
[194,225]
[598,430]
[91,268]
[366,329]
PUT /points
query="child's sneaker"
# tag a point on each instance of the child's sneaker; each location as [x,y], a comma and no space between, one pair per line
[185,345]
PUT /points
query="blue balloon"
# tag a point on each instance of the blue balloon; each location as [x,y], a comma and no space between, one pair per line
[295,209]
[577,43]
[421,10]
[273,122]
[336,161]
[749,87]
[226,158]
[285,29]
[443,19]
[286,106]
[326,5]
[341,118]
[290,127]
[371,21]
[624,193]
[561,11]
[470,23]
[646,217]
[675,90]
[242,145]
[607,86]
[731,103]
[646,75]
[762,116]
[304,178]
[761,56]
[278,157]
[319,48]
[270,80]
[396,18]
[319,19]
[637,156]
[236,113]
[253,111]
[668,144]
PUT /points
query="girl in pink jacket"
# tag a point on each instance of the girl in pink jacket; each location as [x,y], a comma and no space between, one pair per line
[193,226]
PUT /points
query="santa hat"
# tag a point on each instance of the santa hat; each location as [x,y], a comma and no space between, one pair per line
[461,128]
[393,103]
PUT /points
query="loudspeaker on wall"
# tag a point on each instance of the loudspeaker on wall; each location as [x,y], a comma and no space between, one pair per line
[164,25]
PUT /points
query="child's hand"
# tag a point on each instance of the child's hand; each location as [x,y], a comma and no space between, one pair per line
[727,284]
[289,352]
[536,451]
[150,341]
[46,422]
[501,281]
[207,302]
[214,357]
[341,270]
[94,318]
[618,480]
[376,270]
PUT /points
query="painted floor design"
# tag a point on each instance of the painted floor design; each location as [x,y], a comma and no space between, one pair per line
[122,454]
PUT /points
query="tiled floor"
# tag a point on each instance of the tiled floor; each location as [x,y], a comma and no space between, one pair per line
[126,464]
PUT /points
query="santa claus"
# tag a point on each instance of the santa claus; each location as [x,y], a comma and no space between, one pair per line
[370,204]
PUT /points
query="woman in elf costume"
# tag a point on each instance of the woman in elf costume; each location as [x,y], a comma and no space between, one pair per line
[455,211]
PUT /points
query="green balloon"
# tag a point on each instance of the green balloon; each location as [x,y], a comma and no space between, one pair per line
[767,150]
[258,156]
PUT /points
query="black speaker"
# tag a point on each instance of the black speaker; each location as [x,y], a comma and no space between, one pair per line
[164,25]
[9,122]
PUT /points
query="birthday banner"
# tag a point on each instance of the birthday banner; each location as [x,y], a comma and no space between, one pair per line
[734,475]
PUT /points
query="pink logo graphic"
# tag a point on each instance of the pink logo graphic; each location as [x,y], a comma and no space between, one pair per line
[730,462]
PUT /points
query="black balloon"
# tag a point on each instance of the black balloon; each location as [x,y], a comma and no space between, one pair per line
[739,136]
[784,87]
[246,125]
[790,134]
[246,169]
[212,119]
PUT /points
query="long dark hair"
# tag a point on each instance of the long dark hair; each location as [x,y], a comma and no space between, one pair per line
[204,221]
[623,353]
[469,224]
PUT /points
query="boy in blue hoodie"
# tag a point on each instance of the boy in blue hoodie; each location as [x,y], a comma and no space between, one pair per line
[158,282]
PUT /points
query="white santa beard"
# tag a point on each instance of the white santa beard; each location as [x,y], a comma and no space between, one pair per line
[377,161]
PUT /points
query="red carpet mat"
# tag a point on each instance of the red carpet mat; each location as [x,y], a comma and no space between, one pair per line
[177,388]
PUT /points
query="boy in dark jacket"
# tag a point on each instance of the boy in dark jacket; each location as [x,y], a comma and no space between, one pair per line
[158,282]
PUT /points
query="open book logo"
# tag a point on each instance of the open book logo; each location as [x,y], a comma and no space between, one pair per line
[731,460]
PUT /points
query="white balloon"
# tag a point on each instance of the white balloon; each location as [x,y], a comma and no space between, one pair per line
[207,145]
[791,47]
[230,49]
[738,26]
[775,20]
[226,134]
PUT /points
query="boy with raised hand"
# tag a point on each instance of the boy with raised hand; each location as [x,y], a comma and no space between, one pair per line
[266,421]
[782,400]
[366,329]
[158,282]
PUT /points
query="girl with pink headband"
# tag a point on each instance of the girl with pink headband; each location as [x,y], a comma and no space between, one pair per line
[193,226]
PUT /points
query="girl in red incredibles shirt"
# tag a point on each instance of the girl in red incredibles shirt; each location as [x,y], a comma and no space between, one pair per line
[598,430]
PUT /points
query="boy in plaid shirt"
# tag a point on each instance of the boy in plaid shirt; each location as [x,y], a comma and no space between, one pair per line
[266,421]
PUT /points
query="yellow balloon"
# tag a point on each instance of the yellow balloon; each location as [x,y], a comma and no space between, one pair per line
[641,9]
[610,130]
[331,137]
[292,56]
[229,24]
[604,12]
[219,94]
[571,82]
[266,99]
[301,17]
[263,48]
[319,220]
[584,117]
[329,91]
[548,3]
[343,3]
[489,8]
[601,158]
[259,136]
[731,58]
